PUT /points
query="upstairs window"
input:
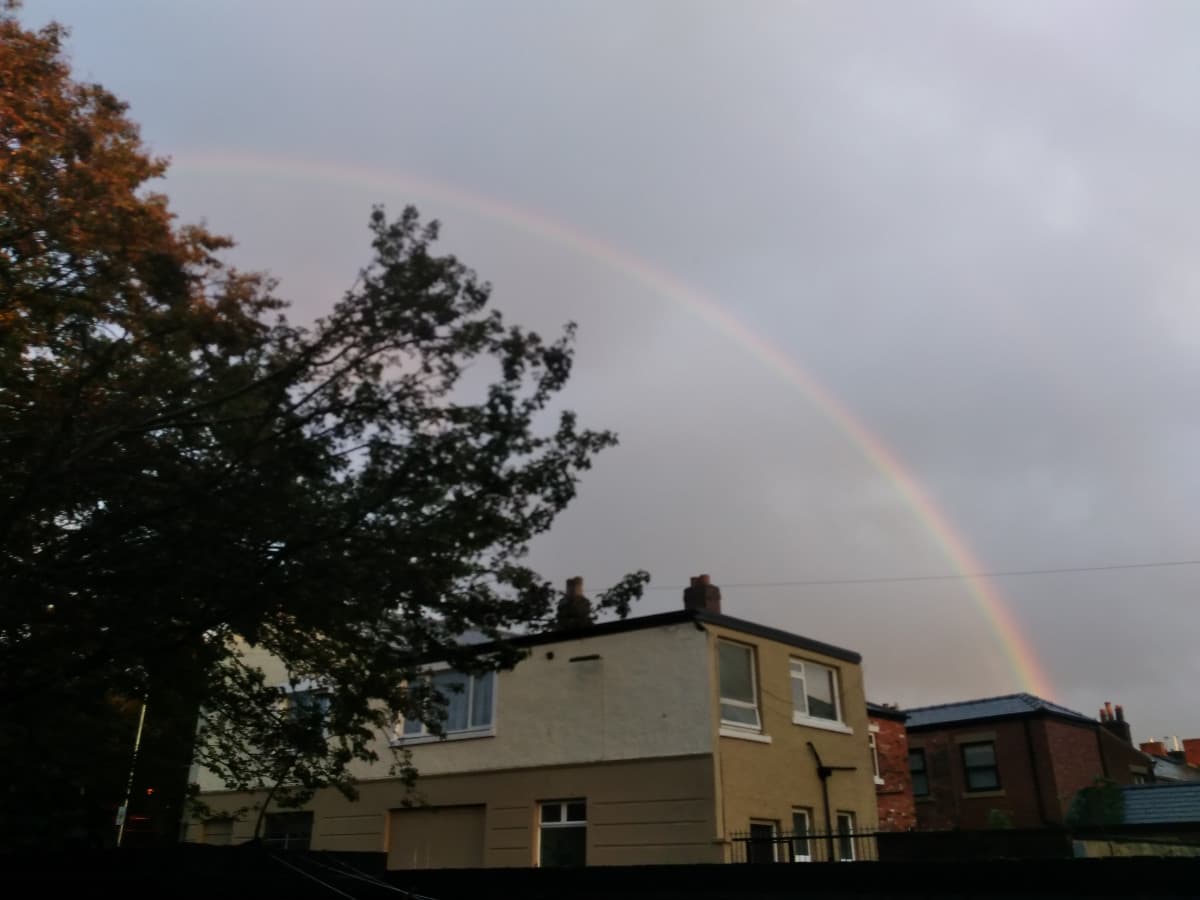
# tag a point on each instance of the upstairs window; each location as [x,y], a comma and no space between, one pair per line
[920,773]
[874,745]
[979,764]
[308,704]
[739,693]
[469,704]
[814,691]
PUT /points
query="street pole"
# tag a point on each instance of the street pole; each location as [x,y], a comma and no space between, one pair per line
[123,812]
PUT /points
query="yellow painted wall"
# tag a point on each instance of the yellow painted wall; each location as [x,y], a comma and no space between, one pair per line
[766,781]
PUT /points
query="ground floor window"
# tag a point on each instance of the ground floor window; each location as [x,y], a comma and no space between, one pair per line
[845,836]
[218,832]
[562,835]
[801,826]
[761,848]
[288,831]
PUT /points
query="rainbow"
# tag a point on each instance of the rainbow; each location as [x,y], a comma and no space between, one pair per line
[1013,643]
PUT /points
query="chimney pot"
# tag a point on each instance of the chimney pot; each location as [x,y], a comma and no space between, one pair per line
[1114,722]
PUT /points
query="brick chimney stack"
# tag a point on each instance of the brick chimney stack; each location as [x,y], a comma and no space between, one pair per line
[1154,748]
[1191,751]
[703,594]
[574,609]
[1113,721]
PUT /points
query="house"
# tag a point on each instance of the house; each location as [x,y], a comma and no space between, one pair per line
[681,737]
[1172,759]
[888,740]
[1016,760]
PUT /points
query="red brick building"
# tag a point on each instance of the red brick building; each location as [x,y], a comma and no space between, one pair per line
[1016,760]
[893,783]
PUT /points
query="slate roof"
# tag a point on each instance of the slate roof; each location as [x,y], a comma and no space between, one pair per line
[1147,804]
[1169,770]
[1008,706]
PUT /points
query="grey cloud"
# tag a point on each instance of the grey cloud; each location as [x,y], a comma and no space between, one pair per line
[973,222]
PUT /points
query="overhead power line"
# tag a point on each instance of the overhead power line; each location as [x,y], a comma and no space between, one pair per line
[958,576]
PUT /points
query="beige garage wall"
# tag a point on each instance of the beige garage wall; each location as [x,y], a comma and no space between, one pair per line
[643,812]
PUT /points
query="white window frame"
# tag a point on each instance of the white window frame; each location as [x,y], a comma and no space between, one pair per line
[873,743]
[424,736]
[729,724]
[805,813]
[796,668]
[563,822]
[848,815]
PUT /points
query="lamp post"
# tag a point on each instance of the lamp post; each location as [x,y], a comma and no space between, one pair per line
[123,812]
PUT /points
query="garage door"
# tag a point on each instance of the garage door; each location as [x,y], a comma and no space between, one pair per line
[439,837]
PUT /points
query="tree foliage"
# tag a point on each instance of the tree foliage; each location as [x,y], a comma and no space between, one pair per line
[185,472]
[1101,803]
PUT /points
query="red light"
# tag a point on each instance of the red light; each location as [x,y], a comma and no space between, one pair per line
[149,792]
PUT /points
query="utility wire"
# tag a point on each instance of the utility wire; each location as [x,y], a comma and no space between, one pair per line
[1010,573]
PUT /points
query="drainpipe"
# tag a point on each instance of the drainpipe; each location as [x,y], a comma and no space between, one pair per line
[824,772]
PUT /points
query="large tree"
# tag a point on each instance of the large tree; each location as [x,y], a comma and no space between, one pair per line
[183,471]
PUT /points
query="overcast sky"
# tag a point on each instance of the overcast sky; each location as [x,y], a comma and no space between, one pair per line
[975,224]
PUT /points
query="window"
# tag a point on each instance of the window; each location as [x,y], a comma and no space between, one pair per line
[288,831]
[303,704]
[739,694]
[801,827]
[814,691]
[845,836]
[979,764]
[874,757]
[562,837]
[919,772]
[762,841]
[469,703]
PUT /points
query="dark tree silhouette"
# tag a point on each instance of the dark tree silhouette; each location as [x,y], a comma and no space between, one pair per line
[184,472]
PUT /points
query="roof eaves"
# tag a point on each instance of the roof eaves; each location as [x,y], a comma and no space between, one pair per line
[776,634]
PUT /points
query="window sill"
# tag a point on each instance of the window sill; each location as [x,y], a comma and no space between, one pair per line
[971,795]
[823,724]
[743,735]
[418,739]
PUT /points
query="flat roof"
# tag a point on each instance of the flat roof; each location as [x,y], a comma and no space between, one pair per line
[681,616]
